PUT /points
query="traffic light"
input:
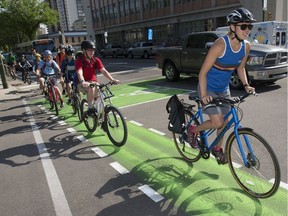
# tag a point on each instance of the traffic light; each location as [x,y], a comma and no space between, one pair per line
[269,16]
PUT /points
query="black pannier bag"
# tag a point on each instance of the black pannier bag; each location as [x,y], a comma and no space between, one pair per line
[176,117]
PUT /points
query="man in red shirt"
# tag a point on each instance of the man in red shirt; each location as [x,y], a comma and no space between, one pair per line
[86,67]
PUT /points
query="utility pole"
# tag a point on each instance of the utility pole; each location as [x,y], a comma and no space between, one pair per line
[2,73]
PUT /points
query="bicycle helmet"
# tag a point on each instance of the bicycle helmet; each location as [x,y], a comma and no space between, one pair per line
[61,47]
[87,44]
[69,49]
[78,54]
[47,52]
[240,15]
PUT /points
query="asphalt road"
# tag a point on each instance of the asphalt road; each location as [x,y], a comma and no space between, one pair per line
[79,181]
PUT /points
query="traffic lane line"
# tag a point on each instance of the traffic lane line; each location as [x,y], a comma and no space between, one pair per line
[59,200]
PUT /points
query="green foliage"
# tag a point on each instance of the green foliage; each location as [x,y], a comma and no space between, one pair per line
[20,20]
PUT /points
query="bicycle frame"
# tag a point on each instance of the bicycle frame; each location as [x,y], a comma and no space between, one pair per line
[234,120]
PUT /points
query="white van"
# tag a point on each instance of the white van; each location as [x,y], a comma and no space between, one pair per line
[269,32]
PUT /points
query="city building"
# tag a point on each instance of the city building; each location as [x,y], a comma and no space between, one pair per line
[69,11]
[166,22]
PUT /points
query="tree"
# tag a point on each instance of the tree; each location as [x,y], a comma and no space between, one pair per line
[20,20]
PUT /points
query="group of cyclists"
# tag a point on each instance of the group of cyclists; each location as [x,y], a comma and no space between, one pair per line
[80,67]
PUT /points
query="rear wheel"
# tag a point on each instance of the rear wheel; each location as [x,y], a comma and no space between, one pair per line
[186,150]
[115,126]
[261,176]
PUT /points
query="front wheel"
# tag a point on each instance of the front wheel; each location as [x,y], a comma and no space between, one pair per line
[115,126]
[54,100]
[170,71]
[187,151]
[28,78]
[90,121]
[260,177]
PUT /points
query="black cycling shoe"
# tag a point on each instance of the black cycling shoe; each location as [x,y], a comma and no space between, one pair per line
[90,112]
[219,155]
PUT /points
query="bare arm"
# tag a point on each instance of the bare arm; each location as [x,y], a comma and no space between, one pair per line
[241,71]
[108,75]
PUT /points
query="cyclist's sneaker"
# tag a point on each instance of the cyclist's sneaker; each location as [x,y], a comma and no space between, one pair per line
[62,104]
[63,92]
[69,102]
[192,137]
[90,112]
[219,155]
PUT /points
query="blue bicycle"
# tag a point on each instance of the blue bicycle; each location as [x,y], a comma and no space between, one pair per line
[251,160]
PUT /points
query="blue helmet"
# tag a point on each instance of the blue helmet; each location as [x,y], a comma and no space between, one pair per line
[47,52]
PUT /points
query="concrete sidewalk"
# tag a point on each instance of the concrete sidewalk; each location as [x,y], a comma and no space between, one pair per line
[11,92]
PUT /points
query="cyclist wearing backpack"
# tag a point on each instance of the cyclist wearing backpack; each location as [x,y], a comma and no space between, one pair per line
[68,70]
[228,53]
[86,67]
[59,59]
[48,67]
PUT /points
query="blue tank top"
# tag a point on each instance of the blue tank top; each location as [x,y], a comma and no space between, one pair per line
[218,77]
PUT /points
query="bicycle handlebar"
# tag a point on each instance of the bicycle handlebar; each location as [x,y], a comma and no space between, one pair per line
[92,85]
[220,101]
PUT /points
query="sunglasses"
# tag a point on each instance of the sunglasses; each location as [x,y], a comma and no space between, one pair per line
[245,26]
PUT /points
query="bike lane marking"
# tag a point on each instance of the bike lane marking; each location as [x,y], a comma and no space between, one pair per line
[60,202]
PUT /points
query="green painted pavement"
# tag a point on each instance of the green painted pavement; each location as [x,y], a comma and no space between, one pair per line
[201,188]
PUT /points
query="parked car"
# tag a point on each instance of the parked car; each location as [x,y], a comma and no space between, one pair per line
[113,50]
[266,63]
[142,49]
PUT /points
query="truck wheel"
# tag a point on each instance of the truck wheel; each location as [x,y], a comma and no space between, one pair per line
[130,55]
[235,82]
[146,55]
[102,55]
[114,55]
[170,71]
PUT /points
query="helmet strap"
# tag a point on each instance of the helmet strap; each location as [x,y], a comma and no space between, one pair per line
[236,36]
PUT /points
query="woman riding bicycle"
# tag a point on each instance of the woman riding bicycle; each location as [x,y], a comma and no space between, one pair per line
[48,67]
[228,53]
[86,67]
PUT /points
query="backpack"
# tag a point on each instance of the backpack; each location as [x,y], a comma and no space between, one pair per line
[176,117]
[44,66]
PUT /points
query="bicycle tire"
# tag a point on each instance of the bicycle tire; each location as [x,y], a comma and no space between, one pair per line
[82,105]
[55,101]
[90,122]
[115,126]
[75,104]
[13,74]
[28,78]
[259,179]
[187,152]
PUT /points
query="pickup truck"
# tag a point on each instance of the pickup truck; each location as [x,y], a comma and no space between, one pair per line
[113,50]
[266,63]
[142,49]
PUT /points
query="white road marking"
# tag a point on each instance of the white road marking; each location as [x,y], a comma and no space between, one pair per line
[136,123]
[57,194]
[119,168]
[62,122]
[99,152]
[71,130]
[156,131]
[81,138]
[154,195]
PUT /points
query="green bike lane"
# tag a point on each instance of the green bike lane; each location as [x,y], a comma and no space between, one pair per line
[201,188]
